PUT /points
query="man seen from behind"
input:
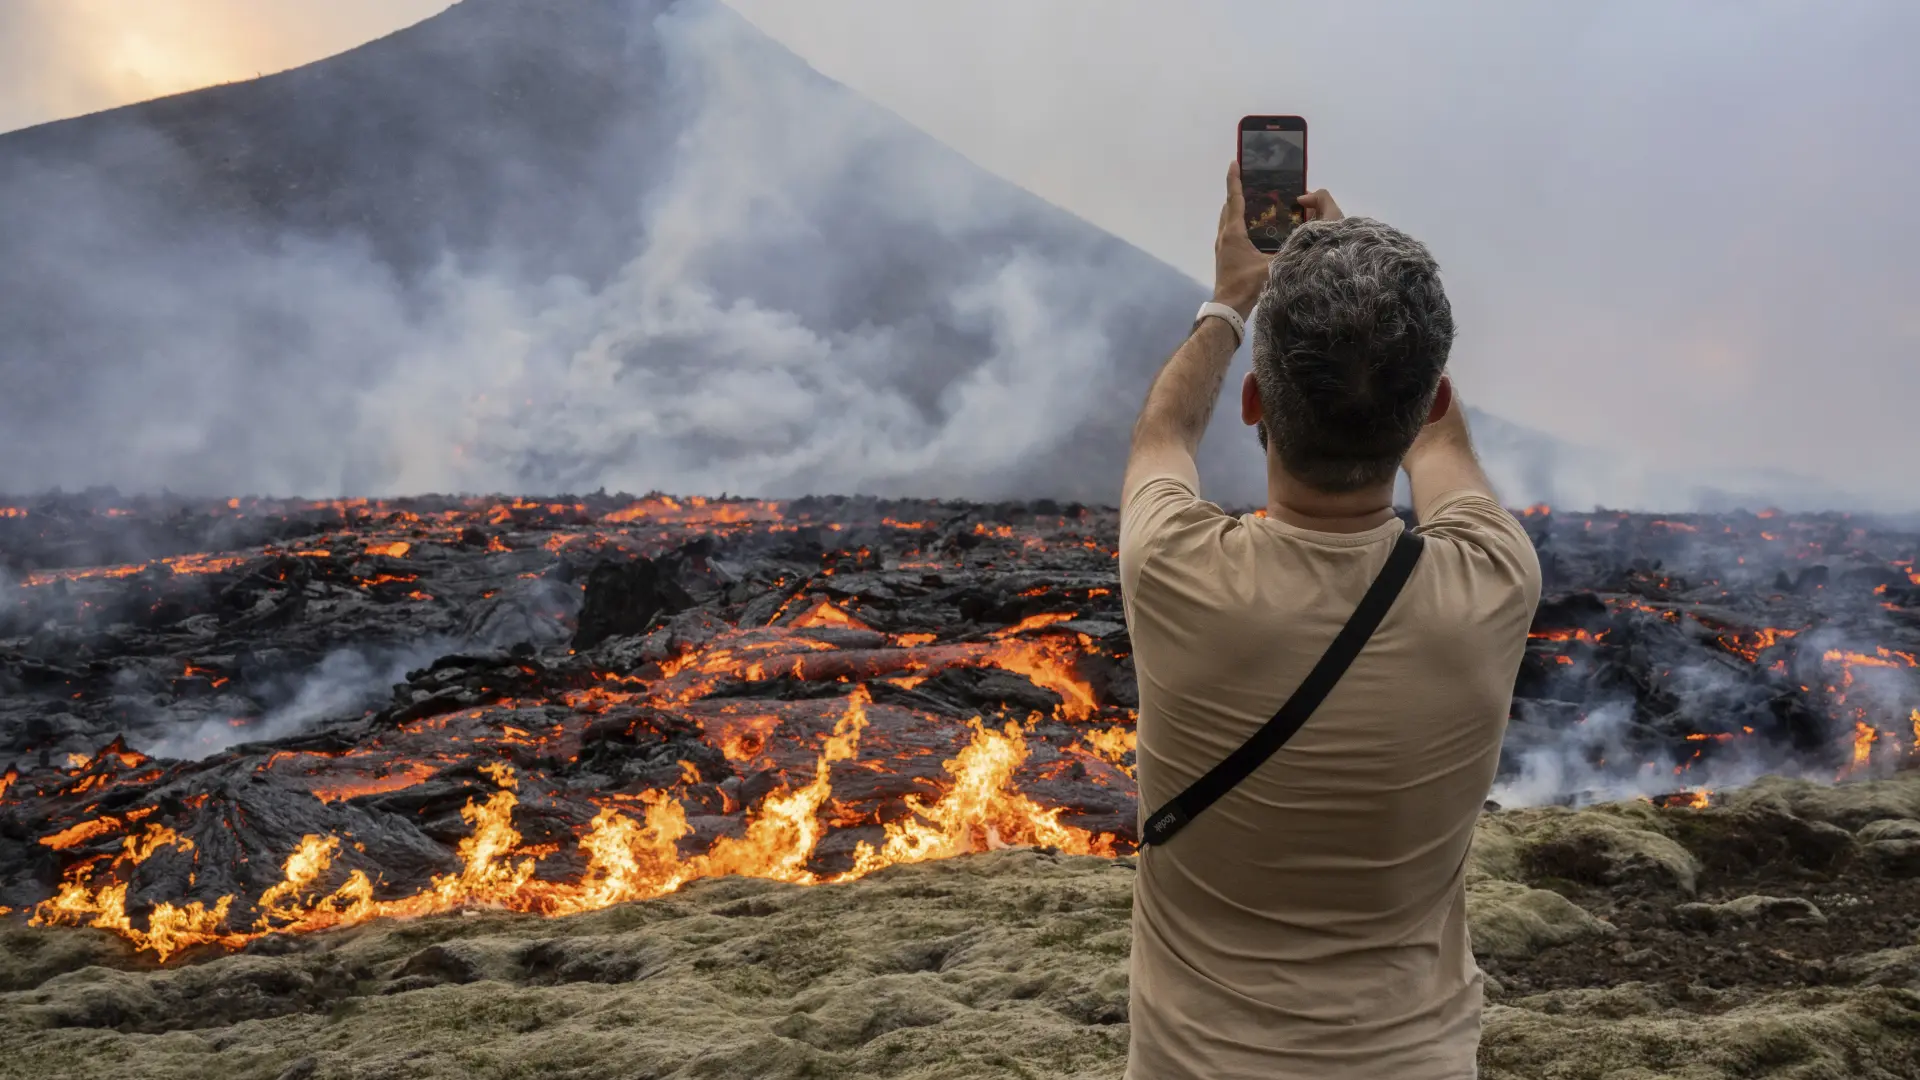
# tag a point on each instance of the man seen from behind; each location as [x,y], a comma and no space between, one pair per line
[1311,923]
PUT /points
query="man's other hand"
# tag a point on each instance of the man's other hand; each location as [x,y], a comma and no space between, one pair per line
[1320,206]
[1441,459]
[1446,428]
[1239,268]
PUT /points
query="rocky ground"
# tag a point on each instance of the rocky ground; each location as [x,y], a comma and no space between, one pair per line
[1774,935]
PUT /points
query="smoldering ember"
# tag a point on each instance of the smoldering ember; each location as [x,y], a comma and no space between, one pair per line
[229,721]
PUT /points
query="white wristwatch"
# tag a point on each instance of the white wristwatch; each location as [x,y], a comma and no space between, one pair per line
[1230,316]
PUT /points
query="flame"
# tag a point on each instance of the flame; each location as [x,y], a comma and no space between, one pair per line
[170,928]
[12,512]
[981,811]
[627,858]
[1864,735]
[1112,743]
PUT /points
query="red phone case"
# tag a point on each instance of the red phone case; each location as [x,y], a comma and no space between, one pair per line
[1304,164]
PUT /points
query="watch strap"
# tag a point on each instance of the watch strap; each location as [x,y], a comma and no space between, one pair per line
[1232,318]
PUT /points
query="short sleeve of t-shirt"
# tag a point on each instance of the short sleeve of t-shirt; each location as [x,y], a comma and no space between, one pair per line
[1481,532]
[1158,508]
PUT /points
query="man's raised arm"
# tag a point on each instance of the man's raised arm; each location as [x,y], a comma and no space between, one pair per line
[1181,400]
[1442,460]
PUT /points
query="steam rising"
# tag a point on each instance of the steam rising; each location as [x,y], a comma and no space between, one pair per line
[345,683]
[793,293]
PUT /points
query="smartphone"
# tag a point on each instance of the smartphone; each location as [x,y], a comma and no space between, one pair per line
[1273,176]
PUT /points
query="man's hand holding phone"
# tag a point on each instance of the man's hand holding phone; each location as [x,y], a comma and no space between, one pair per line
[1240,269]
[1320,206]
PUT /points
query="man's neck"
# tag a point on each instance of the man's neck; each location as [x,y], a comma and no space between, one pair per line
[1303,507]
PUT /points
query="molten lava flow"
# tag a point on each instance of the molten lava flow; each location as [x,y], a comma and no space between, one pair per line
[1752,645]
[394,550]
[1586,636]
[81,832]
[1882,658]
[1048,662]
[1035,622]
[337,788]
[826,613]
[627,859]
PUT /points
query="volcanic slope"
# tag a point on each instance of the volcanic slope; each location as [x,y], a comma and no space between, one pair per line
[552,245]
[1776,935]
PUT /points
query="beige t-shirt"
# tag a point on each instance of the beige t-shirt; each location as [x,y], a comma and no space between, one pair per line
[1312,923]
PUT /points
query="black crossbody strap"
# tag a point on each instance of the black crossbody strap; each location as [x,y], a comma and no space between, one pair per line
[1186,806]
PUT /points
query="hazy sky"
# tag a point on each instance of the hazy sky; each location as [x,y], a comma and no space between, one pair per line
[1682,228]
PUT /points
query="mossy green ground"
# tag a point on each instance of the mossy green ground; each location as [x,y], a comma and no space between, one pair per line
[1013,964]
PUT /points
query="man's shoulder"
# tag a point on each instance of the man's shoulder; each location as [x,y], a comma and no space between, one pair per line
[1163,514]
[1477,537]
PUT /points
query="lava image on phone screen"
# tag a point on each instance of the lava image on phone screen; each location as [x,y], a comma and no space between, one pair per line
[1273,174]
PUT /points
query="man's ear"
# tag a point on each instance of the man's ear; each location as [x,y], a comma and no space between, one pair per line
[1442,399]
[1249,400]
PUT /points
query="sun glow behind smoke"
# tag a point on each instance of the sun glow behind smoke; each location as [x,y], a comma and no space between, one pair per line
[81,56]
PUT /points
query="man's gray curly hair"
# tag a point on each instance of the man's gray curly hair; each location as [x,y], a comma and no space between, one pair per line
[1349,342]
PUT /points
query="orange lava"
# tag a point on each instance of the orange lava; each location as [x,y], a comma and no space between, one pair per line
[334,789]
[627,857]
[826,613]
[1752,645]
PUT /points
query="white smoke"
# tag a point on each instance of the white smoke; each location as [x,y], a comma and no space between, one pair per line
[1599,759]
[722,356]
[344,684]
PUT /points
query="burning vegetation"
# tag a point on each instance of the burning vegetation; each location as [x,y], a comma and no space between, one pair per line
[612,697]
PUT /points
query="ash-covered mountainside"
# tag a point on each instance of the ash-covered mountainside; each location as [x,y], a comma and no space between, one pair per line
[556,244]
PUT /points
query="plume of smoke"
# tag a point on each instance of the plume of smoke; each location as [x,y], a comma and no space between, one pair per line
[344,684]
[815,298]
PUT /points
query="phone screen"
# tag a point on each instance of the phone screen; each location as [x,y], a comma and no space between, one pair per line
[1273,174]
